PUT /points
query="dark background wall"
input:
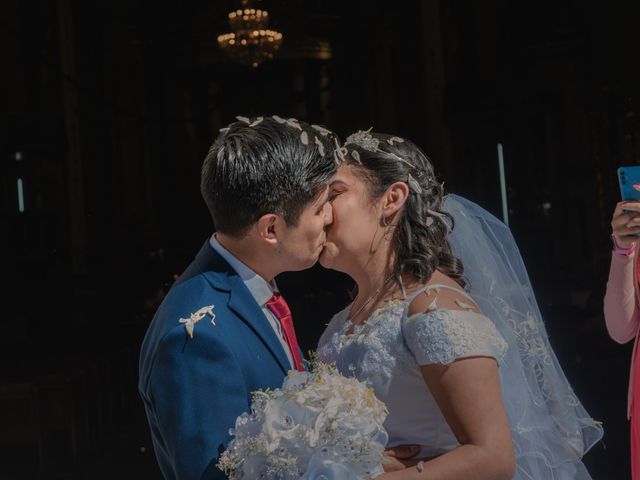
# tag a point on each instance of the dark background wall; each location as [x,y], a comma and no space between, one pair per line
[108,108]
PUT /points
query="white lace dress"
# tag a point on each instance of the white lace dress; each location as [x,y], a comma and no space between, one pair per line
[388,350]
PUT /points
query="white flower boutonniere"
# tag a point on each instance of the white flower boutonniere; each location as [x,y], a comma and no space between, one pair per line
[195,317]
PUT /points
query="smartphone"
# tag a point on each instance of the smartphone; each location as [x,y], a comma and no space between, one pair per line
[629,181]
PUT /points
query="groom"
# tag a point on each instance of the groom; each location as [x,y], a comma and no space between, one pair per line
[223,329]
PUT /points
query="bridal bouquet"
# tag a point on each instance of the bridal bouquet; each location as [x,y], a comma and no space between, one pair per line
[319,426]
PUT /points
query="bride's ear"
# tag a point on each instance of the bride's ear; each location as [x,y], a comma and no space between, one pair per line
[394,199]
[268,228]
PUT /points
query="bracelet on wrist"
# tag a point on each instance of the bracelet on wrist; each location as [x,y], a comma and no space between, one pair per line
[625,251]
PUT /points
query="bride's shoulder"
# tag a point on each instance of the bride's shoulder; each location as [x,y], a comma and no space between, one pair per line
[443,335]
[443,295]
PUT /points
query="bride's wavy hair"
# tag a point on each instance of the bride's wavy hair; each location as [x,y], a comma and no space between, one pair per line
[421,227]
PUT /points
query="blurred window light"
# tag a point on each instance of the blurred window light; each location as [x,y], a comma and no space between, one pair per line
[20,196]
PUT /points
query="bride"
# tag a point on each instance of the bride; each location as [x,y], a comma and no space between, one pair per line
[444,326]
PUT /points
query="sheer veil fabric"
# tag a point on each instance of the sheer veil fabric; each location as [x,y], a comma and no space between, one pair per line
[551,429]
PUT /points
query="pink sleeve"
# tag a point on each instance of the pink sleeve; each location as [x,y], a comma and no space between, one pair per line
[620,306]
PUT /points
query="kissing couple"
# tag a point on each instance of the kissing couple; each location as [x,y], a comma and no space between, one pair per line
[444,325]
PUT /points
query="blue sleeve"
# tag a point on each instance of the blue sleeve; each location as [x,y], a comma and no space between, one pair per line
[198,391]
[443,336]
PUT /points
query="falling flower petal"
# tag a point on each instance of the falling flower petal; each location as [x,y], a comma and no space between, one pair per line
[320,146]
[244,119]
[323,131]
[463,305]
[294,123]
[433,305]
[257,122]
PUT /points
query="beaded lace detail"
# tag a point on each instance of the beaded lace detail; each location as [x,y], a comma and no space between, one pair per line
[388,338]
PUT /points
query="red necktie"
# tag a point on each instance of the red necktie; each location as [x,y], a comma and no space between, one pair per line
[280,309]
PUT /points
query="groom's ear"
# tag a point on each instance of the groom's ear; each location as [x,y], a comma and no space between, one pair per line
[394,198]
[268,228]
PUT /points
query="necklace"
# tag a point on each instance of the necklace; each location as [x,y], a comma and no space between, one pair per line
[370,298]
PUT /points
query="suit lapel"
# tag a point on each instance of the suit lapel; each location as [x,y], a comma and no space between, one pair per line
[222,277]
[245,306]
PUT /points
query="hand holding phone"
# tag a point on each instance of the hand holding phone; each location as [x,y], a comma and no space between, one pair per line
[626,217]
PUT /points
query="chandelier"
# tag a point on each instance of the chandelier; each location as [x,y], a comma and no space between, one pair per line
[250,42]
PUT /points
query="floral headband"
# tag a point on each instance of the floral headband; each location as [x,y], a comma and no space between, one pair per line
[366,141]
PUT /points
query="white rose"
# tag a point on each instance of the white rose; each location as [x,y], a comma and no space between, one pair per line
[352,426]
[253,467]
[247,426]
[296,380]
[299,413]
[324,465]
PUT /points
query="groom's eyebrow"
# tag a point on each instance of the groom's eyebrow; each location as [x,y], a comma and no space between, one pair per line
[337,182]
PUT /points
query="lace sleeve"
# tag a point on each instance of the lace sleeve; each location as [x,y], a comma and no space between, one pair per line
[443,336]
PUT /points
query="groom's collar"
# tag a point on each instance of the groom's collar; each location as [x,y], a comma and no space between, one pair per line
[222,276]
[260,289]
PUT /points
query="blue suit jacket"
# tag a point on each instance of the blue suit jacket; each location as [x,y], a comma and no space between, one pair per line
[194,388]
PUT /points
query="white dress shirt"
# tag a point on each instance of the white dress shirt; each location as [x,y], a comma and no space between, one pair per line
[260,289]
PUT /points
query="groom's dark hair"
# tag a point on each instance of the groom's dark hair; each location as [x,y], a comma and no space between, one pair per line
[265,165]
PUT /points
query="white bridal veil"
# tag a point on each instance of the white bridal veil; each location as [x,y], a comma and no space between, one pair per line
[551,429]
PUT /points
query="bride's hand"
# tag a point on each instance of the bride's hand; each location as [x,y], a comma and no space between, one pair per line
[625,224]
[394,457]
[391,464]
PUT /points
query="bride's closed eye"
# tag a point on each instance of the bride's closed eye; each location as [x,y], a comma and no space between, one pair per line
[335,191]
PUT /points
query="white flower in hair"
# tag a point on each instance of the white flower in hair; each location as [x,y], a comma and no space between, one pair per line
[364,140]
[414,185]
[395,139]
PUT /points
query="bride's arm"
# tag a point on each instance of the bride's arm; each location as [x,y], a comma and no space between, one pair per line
[469,395]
